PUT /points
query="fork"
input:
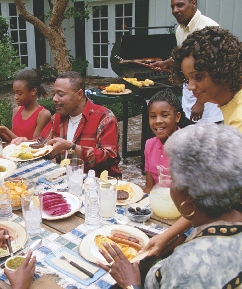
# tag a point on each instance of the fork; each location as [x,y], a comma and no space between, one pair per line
[83,270]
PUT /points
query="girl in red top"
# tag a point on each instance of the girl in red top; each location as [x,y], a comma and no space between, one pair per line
[29,118]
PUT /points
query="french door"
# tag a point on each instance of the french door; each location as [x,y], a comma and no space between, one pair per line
[21,32]
[108,21]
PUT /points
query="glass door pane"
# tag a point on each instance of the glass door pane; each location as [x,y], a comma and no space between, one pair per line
[100,36]
[18,33]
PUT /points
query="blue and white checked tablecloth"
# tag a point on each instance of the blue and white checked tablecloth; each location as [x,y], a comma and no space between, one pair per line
[71,240]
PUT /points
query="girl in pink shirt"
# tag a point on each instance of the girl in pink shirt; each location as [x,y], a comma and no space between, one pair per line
[164,112]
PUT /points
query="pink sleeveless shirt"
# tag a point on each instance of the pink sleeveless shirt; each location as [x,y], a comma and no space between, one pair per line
[25,127]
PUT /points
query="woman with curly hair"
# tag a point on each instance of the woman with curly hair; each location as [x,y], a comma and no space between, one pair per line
[210,61]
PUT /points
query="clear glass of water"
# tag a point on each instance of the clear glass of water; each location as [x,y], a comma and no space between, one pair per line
[108,198]
[32,210]
[74,172]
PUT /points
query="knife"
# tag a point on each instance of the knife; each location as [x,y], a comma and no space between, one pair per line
[88,273]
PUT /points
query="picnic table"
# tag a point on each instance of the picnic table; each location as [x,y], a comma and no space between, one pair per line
[68,233]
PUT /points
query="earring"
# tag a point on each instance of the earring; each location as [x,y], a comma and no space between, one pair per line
[186,216]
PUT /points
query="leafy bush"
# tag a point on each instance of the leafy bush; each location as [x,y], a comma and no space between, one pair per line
[6,112]
[9,61]
[78,64]
[48,104]
[47,72]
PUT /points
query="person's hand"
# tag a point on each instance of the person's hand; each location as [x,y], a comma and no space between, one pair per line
[157,65]
[59,144]
[23,276]
[122,271]
[155,245]
[197,111]
[3,238]
[19,140]
[2,128]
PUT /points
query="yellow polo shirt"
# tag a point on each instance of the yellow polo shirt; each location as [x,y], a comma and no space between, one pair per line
[232,111]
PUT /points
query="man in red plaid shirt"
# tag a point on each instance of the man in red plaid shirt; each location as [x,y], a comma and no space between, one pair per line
[80,128]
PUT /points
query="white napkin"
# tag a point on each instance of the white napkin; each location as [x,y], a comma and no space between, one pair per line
[65,266]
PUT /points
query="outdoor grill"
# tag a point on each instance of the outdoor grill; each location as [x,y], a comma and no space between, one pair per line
[131,52]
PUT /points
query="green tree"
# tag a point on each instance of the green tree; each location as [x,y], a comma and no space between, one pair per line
[9,62]
[53,32]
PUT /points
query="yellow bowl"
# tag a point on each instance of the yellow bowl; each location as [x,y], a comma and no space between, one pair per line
[13,263]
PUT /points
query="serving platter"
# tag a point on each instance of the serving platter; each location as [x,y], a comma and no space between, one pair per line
[19,241]
[10,151]
[138,194]
[71,199]
[126,91]
[89,250]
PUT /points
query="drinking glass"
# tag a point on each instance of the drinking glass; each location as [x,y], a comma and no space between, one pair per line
[108,198]
[74,172]
[32,210]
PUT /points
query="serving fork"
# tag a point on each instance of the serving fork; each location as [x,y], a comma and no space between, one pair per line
[83,270]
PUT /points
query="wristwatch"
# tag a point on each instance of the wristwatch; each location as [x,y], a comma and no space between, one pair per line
[134,287]
[72,149]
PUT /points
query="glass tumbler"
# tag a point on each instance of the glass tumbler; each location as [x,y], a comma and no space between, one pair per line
[32,211]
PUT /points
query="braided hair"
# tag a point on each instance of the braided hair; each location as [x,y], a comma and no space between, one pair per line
[32,80]
[169,96]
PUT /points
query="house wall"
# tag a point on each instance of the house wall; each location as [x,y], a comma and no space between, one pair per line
[69,32]
[226,12]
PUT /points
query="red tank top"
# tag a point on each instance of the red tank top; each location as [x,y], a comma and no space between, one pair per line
[25,127]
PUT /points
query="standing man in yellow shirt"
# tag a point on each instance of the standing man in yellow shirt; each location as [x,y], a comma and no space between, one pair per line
[191,19]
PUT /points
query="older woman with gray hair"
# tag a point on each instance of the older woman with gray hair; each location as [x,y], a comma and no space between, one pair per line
[206,171]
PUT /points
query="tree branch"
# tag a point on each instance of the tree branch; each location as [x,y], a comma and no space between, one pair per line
[59,7]
[32,19]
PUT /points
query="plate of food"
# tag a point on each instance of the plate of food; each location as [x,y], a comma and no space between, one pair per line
[126,91]
[59,205]
[17,232]
[129,239]
[26,151]
[128,193]
[7,168]
[116,89]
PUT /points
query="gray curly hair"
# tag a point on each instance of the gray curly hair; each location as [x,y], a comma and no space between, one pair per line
[206,162]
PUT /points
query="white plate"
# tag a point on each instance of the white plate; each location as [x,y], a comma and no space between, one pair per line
[89,250]
[11,149]
[126,91]
[138,194]
[10,168]
[71,199]
[19,242]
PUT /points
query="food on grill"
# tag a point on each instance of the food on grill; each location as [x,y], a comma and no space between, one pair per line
[122,195]
[129,244]
[134,81]
[55,204]
[127,188]
[115,88]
